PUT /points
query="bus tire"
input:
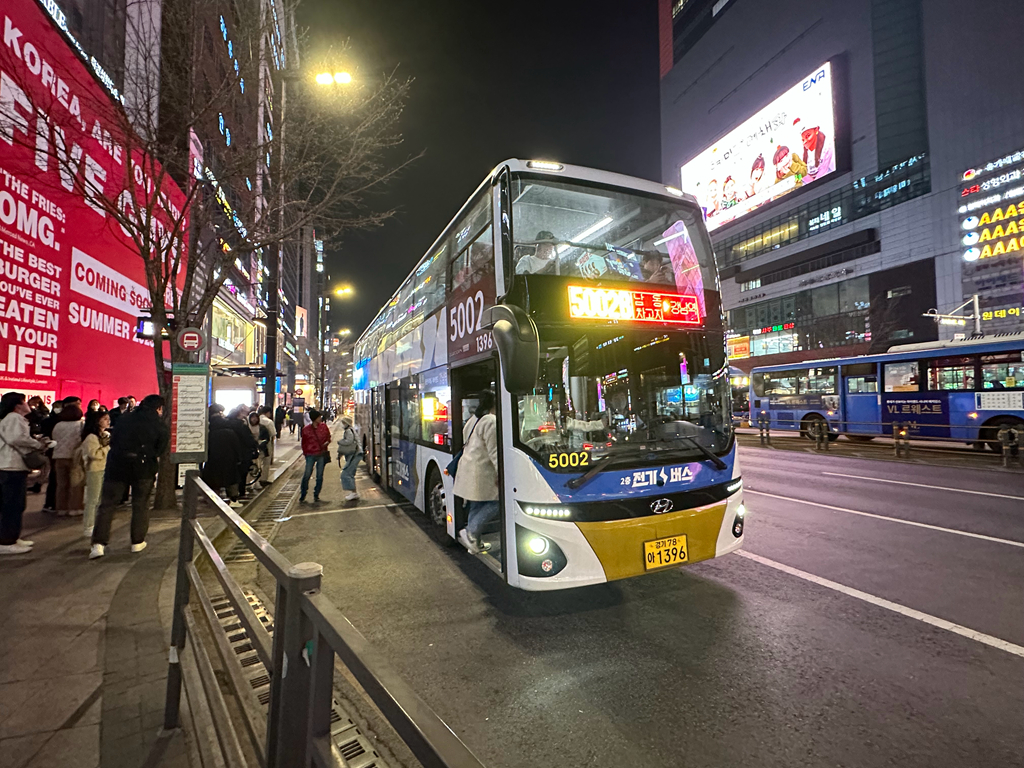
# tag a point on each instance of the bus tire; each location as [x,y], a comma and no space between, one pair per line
[809,425]
[989,433]
[434,504]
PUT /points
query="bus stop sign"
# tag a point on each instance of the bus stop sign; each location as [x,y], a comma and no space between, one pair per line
[191,339]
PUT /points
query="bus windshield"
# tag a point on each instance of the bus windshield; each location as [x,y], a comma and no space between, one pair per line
[573,230]
[621,391]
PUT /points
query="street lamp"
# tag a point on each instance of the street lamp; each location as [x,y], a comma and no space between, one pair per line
[340,78]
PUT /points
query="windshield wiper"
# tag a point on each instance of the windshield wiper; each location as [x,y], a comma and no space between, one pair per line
[599,467]
[708,455]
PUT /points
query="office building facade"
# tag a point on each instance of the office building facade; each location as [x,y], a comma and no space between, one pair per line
[858,162]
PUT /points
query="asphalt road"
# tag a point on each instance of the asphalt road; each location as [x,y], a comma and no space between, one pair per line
[853,640]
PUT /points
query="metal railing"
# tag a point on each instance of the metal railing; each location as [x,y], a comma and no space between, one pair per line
[309,633]
[1007,441]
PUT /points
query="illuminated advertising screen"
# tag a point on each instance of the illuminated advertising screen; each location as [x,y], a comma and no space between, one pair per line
[636,306]
[785,146]
[73,283]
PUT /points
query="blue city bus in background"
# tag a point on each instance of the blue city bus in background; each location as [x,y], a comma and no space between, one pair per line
[589,303]
[964,390]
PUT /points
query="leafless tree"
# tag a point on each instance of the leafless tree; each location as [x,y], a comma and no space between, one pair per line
[197,175]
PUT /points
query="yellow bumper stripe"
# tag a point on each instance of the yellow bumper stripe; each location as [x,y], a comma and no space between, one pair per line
[619,544]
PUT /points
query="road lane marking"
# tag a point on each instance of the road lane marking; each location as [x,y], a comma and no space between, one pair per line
[891,519]
[924,485]
[340,509]
[881,602]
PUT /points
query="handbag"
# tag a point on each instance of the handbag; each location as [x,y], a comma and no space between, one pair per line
[453,465]
[347,446]
[35,459]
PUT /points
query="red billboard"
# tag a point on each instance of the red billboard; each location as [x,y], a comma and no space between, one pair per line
[71,283]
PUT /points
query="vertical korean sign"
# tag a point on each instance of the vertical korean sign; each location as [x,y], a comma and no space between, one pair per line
[189,386]
[72,283]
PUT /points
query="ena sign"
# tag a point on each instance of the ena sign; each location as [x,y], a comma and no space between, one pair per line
[586,302]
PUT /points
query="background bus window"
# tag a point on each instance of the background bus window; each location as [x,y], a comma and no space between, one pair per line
[951,374]
[818,381]
[858,385]
[1004,371]
[901,377]
[435,408]
[780,383]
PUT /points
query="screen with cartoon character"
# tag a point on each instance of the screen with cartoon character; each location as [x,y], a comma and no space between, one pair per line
[787,145]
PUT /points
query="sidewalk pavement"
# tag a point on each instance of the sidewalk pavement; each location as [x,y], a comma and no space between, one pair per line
[84,643]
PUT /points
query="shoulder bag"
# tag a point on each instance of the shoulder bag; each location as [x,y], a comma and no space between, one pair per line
[453,465]
[348,444]
[35,459]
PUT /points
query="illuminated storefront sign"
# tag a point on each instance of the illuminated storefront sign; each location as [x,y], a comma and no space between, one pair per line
[773,328]
[787,145]
[637,306]
[1004,312]
[739,347]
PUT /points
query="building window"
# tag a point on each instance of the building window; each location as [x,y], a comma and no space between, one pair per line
[750,284]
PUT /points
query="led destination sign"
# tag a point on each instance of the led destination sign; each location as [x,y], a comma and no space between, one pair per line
[637,306]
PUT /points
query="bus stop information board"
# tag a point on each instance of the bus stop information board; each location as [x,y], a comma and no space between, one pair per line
[189,383]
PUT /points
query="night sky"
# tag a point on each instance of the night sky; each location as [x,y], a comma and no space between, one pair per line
[574,82]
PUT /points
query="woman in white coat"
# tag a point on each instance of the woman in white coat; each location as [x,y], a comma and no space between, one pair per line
[15,442]
[476,480]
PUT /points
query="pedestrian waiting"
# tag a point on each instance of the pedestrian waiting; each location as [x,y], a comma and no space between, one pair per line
[224,456]
[136,445]
[67,434]
[93,452]
[316,447]
[18,450]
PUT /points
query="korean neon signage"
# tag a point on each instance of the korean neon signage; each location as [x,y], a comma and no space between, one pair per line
[586,302]
[774,328]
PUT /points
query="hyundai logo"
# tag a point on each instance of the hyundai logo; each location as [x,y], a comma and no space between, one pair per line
[661,506]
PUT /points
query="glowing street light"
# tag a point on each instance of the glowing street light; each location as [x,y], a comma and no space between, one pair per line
[345,290]
[344,332]
[326,78]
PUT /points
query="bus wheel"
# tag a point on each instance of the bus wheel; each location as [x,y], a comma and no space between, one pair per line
[989,434]
[436,512]
[809,426]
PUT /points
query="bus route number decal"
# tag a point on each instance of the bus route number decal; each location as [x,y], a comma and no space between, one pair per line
[566,460]
[466,317]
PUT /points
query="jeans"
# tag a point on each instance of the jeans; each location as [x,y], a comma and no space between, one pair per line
[480,514]
[93,488]
[12,505]
[110,496]
[319,461]
[348,472]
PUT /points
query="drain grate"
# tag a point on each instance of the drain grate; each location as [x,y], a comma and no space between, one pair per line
[265,524]
[356,749]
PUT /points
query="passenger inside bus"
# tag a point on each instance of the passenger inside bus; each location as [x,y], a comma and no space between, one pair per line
[544,258]
[655,270]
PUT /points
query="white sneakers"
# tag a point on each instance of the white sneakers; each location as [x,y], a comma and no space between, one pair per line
[99,550]
[26,543]
[235,504]
[469,543]
[14,549]
[353,496]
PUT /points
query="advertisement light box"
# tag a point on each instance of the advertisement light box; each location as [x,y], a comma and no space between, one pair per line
[785,146]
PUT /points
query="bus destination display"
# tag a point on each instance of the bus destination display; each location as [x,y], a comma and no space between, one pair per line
[591,303]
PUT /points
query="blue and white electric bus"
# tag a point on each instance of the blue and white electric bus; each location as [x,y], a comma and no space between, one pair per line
[589,303]
[962,390]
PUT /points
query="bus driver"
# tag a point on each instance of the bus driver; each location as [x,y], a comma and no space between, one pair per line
[544,260]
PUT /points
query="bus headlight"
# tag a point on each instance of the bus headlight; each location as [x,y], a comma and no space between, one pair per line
[537,555]
[545,511]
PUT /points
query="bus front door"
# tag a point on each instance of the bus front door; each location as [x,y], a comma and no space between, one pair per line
[860,403]
[377,432]
[467,383]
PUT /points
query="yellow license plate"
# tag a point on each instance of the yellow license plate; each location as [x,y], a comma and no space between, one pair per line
[662,552]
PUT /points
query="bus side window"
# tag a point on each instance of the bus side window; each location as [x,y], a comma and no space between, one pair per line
[857,385]
[1002,371]
[901,377]
[951,374]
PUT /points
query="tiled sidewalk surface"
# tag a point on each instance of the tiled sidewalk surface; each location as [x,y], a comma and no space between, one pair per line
[83,646]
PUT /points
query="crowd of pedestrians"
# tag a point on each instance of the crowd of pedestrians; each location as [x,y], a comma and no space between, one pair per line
[93,460]
[90,461]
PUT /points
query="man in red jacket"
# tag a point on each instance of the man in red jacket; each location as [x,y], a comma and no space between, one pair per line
[316,444]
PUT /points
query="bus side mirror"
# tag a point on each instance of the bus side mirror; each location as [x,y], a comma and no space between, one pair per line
[515,335]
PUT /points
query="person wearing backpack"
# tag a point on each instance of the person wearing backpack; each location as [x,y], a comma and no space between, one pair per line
[476,481]
[348,449]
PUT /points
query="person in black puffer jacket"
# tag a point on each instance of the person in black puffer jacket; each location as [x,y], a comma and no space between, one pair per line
[224,455]
[136,445]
